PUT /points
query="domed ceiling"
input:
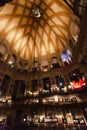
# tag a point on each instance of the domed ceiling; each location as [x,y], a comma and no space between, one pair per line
[40,25]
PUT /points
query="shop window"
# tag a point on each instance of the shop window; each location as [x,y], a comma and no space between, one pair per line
[5,84]
[15,89]
[19,114]
[18,89]
[77,81]
[60,81]
[56,65]
[34,84]
[75,75]
[21,89]
[46,83]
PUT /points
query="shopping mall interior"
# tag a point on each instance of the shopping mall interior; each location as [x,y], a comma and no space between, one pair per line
[43,64]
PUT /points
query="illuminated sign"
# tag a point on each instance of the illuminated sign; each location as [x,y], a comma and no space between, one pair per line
[78,85]
[51,120]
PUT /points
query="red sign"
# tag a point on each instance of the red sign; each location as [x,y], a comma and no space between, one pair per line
[78,85]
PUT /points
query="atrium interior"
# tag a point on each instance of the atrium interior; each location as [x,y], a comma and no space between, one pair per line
[43,64]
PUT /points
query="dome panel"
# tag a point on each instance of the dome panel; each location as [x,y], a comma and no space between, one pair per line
[56,8]
[27,12]
[53,37]
[52,49]
[17,46]
[20,10]
[57,21]
[7,9]
[27,54]
[47,28]
[24,21]
[10,36]
[22,2]
[43,50]
[3,24]
[19,34]
[49,12]
[13,24]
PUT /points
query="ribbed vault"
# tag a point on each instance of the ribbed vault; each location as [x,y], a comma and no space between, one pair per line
[48,35]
